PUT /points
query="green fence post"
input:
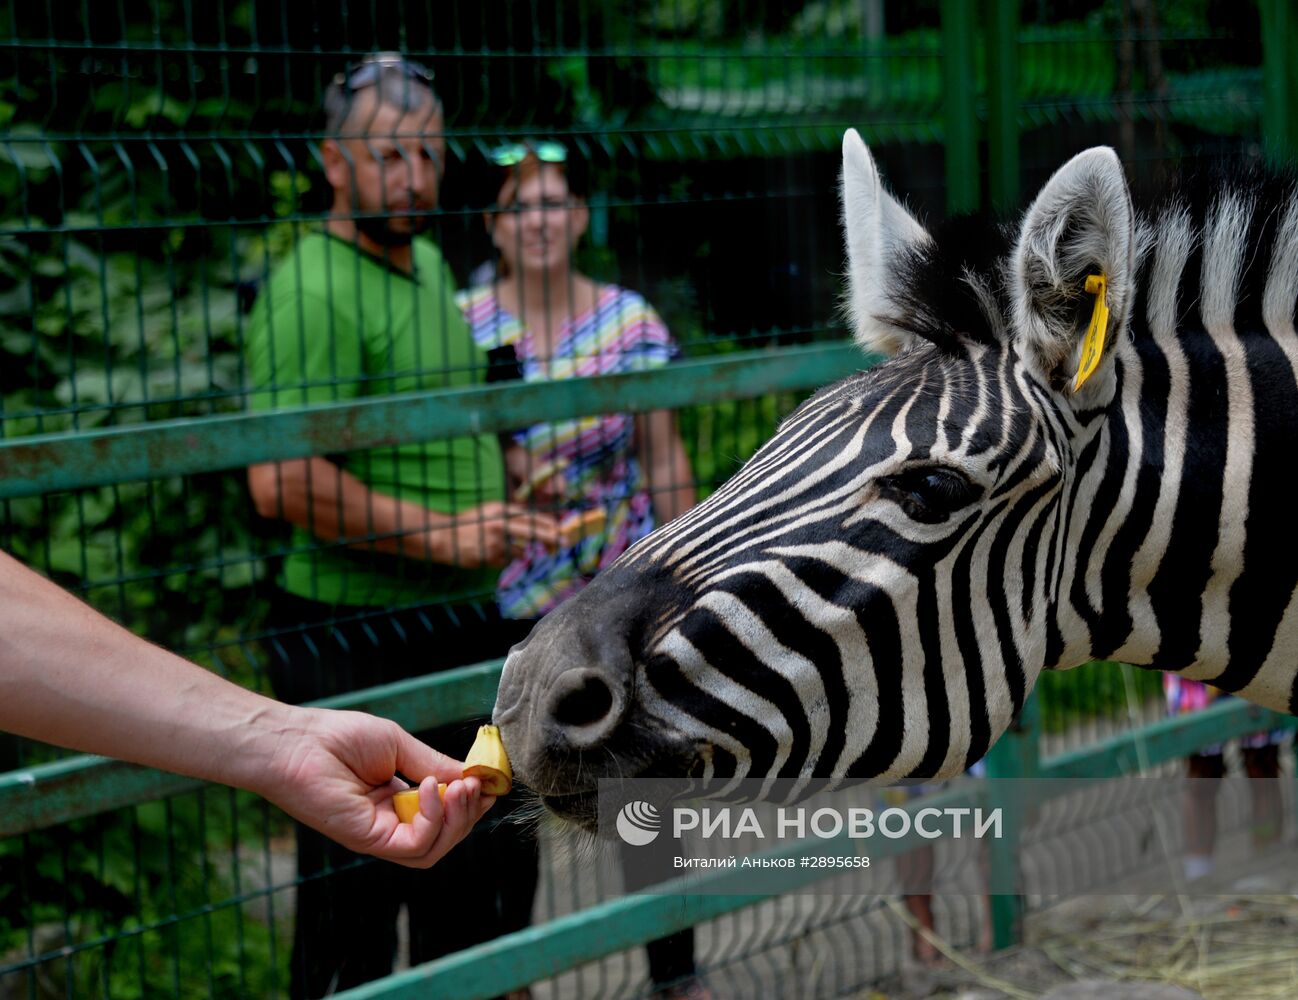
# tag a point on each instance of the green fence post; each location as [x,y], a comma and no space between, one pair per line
[1280,76]
[1002,24]
[959,105]
[1016,756]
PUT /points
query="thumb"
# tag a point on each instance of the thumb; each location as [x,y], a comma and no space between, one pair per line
[417,761]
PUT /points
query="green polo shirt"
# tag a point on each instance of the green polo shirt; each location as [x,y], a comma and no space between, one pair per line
[335,323]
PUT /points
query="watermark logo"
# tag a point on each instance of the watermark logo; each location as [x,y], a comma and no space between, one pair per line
[638,823]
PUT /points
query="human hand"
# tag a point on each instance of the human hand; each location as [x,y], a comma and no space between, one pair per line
[547,492]
[335,772]
[542,485]
[491,534]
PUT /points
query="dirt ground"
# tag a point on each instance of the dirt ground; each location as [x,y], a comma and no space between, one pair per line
[1232,947]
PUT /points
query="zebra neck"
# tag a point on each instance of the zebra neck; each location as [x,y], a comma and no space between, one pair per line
[1186,547]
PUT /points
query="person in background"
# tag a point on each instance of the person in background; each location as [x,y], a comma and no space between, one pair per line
[395,551]
[917,869]
[1261,753]
[610,478]
[71,677]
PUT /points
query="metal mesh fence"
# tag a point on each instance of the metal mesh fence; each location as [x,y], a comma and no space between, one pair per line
[161,161]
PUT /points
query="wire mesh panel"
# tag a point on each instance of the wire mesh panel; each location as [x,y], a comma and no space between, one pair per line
[168,168]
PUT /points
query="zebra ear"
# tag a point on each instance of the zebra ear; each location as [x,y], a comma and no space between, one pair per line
[1081,223]
[878,232]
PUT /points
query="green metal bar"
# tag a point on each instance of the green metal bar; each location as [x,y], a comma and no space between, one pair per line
[1167,739]
[1280,77]
[513,961]
[1015,755]
[43,464]
[1002,102]
[428,701]
[39,797]
[959,108]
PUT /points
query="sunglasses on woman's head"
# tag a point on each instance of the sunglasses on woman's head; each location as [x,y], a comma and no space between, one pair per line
[367,72]
[511,154]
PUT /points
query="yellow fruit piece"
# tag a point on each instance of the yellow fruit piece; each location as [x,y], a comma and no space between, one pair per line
[488,762]
[573,529]
[406,803]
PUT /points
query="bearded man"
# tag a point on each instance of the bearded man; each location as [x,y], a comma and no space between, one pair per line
[391,568]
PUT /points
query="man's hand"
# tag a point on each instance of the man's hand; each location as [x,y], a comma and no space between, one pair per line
[336,774]
[491,534]
[333,504]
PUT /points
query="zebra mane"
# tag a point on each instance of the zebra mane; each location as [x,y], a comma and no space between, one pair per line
[1246,202]
[954,287]
[951,288]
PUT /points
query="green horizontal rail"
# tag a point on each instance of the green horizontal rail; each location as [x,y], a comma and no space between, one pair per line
[38,797]
[513,961]
[39,464]
[1167,739]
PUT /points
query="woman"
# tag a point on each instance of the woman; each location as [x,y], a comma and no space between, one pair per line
[611,477]
[623,472]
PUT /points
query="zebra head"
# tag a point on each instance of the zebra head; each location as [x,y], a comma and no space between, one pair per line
[874,593]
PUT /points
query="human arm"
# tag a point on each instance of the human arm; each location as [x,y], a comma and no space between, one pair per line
[666,466]
[71,677]
[333,504]
[309,343]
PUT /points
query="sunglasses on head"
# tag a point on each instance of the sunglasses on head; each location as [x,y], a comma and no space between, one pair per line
[511,154]
[367,72]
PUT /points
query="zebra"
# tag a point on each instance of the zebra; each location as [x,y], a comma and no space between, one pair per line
[874,594]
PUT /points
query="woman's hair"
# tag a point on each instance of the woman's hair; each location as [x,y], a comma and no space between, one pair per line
[512,160]
[515,160]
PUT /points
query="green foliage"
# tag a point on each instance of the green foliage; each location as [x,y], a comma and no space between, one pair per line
[121,285]
[146,899]
[1096,690]
[720,437]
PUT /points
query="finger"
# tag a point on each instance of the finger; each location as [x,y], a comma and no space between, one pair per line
[460,811]
[426,841]
[417,760]
[381,793]
[411,844]
[478,800]
[534,527]
[430,802]
[513,510]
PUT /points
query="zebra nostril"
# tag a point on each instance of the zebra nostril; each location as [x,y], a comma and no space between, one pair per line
[585,706]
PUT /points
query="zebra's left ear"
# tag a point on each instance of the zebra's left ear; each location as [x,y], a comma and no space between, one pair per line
[1082,223]
[880,235]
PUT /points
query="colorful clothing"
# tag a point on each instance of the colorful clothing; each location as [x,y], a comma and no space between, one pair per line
[1185,695]
[596,456]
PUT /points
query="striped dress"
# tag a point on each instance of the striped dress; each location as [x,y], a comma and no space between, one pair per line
[596,456]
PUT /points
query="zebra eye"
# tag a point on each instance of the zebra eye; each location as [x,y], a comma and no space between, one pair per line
[930,495]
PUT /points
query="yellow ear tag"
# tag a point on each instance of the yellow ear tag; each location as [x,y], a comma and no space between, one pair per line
[1093,343]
